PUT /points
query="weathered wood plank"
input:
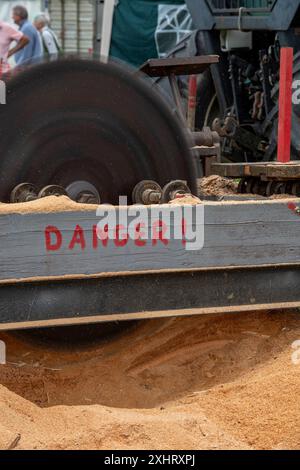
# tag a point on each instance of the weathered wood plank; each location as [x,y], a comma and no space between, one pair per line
[235,234]
[272,170]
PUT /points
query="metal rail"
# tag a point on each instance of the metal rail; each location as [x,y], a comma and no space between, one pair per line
[233,6]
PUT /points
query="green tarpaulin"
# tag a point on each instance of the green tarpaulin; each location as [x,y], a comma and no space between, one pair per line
[144,29]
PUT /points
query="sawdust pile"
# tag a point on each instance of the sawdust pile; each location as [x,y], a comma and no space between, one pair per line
[189,200]
[188,383]
[46,205]
[217,186]
[52,204]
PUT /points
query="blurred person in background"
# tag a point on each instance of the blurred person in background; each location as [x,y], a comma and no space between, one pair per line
[49,39]
[33,49]
[8,35]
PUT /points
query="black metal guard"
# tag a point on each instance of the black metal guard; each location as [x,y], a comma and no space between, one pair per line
[70,302]
[233,6]
[247,15]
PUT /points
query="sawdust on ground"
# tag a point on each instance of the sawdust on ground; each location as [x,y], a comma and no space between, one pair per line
[215,185]
[46,205]
[222,382]
[52,204]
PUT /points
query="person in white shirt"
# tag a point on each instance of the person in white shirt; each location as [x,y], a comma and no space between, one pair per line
[49,39]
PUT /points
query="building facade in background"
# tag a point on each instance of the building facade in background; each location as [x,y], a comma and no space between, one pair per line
[73,22]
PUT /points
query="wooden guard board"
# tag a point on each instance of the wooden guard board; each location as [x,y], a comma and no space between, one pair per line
[38,246]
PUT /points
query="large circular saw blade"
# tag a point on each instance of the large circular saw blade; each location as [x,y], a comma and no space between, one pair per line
[81,120]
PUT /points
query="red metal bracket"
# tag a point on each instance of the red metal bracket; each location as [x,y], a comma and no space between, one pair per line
[285,105]
[192,102]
